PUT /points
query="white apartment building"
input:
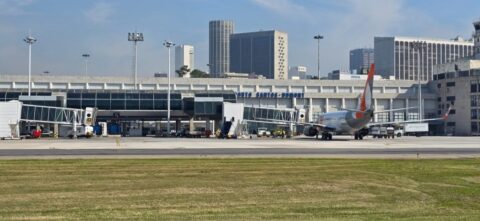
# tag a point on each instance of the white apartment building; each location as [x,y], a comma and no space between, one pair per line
[396,56]
[184,56]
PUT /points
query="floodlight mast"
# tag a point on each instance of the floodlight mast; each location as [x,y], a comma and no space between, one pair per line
[135,37]
[318,38]
[29,40]
[168,45]
[86,56]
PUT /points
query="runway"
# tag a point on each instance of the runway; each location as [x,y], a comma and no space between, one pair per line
[343,147]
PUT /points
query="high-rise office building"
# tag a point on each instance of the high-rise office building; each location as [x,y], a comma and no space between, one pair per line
[184,56]
[297,72]
[396,56]
[476,39]
[361,59]
[219,47]
[261,53]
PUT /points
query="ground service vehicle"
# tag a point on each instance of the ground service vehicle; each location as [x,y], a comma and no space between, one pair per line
[382,132]
[263,132]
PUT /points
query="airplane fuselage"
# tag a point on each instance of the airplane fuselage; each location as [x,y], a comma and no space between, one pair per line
[345,122]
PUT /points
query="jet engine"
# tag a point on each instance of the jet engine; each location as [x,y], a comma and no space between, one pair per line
[310,131]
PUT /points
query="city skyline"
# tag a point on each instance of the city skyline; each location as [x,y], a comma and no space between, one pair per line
[66,30]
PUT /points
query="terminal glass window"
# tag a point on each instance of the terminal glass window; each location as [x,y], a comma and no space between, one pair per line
[473,101]
[118,95]
[74,103]
[474,114]
[413,116]
[121,100]
[146,104]
[89,96]
[103,95]
[118,105]
[382,117]
[88,103]
[132,104]
[103,104]
[132,96]
[398,116]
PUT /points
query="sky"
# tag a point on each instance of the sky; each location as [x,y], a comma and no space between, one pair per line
[67,29]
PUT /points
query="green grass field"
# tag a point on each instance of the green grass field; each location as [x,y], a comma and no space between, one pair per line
[240,189]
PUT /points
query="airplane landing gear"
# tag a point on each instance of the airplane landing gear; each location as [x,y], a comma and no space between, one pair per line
[358,136]
[327,136]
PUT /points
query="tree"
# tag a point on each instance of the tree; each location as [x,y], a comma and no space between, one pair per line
[199,74]
[183,71]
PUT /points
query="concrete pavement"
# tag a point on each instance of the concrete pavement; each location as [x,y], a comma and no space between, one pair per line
[147,147]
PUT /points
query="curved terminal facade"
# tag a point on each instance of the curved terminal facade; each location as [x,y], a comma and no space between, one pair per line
[116,96]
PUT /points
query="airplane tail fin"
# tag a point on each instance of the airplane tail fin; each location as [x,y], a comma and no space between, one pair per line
[366,100]
[445,116]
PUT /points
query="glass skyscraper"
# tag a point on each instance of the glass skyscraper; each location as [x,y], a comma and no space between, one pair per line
[260,53]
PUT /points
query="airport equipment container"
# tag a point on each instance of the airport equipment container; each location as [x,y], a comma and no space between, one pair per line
[416,129]
[10,113]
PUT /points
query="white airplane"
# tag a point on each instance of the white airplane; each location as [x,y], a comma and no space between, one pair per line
[354,122]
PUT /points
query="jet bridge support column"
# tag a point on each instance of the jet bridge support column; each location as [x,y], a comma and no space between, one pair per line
[391,114]
[74,128]
[55,131]
[178,125]
[158,128]
[207,124]
[217,125]
[310,110]
[407,101]
[191,125]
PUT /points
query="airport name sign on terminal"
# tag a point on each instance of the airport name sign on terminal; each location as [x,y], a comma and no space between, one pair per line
[270,95]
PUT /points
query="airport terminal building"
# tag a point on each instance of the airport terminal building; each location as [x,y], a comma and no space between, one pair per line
[201,98]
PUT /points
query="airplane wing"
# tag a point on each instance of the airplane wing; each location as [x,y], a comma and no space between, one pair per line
[403,122]
[322,127]
[444,117]
[399,109]
[270,121]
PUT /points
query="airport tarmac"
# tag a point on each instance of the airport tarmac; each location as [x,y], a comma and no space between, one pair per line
[186,143]
[341,146]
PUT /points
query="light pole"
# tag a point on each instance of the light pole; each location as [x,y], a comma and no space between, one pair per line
[86,56]
[135,37]
[168,44]
[318,38]
[209,68]
[29,40]
[418,46]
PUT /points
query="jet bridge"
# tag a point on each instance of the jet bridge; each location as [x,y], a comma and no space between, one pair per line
[274,117]
[53,115]
[13,113]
